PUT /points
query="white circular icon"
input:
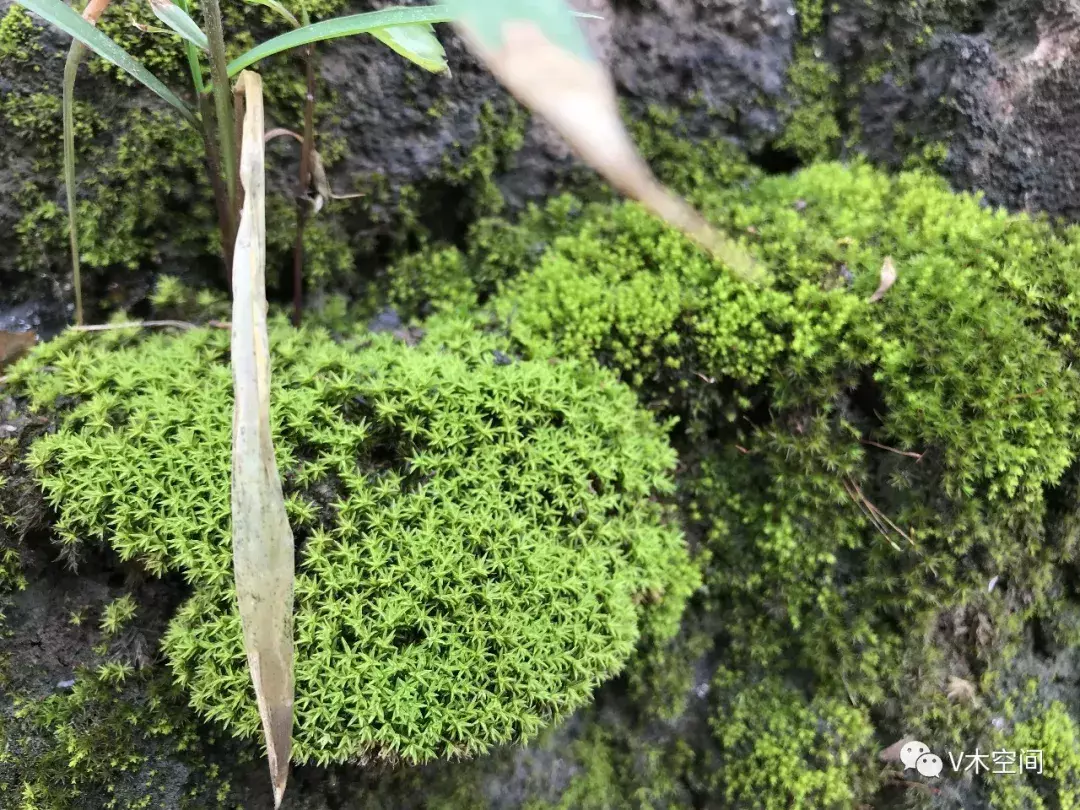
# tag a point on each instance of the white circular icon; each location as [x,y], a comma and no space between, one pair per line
[929,765]
[911,752]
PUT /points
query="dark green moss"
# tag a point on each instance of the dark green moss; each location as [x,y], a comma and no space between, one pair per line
[116,739]
[18,36]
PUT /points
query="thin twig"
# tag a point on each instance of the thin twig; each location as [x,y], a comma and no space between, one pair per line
[303,184]
[1037,392]
[221,197]
[280,132]
[908,453]
[849,488]
[878,513]
[103,327]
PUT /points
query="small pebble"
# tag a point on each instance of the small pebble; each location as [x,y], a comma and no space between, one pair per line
[500,358]
[65,684]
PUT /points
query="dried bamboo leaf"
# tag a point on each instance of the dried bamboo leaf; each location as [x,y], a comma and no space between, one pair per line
[262,540]
[537,50]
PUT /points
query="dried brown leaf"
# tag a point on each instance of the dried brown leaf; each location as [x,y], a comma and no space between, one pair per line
[262,539]
[888,278]
[14,345]
[961,690]
[577,97]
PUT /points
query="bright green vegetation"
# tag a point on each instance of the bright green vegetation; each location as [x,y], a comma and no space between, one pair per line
[857,469]
[813,129]
[882,496]
[1052,731]
[779,750]
[18,36]
[482,539]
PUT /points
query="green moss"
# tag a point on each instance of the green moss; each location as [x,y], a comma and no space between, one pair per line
[441,278]
[1055,736]
[810,14]
[18,36]
[136,168]
[779,750]
[812,131]
[117,614]
[107,744]
[436,279]
[615,770]
[696,170]
[129,186]
[480,541]
[855,468]
[328,258]
[500,135]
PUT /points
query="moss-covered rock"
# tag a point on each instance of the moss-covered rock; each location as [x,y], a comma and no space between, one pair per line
[863,470]
[482,539]
[779,749]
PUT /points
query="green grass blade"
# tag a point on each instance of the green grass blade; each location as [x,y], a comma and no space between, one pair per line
[178,20]
[278,9]
[69,21]
[417,43]
[341,27]
[71,68]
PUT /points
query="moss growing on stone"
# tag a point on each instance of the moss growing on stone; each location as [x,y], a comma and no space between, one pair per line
[812,131]
[107,743]
[781,751]
[1052,735]
[859,470]
[18,36]
[481,542]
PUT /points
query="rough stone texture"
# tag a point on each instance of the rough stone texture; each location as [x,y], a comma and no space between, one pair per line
[722,60]
[1002,94]
[994,81]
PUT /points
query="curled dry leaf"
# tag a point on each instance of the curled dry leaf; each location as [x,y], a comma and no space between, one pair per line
[262,540]
[892,753]
[888,278]
[14,345]
[961,690]
[538,52]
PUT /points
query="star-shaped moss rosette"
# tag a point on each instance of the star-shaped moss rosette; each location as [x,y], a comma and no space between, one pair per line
[480,542]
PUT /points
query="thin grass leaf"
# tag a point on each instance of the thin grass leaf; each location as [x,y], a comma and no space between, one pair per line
[348,26]
[192,51]
[417,43]
[68,21]
[262,539]
[538,51]
[177,19]
[341,27]
[71,69]
[279,9]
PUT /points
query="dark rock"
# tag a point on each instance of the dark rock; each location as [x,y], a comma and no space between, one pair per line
[386,321]
[722,62]
[1003,97]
